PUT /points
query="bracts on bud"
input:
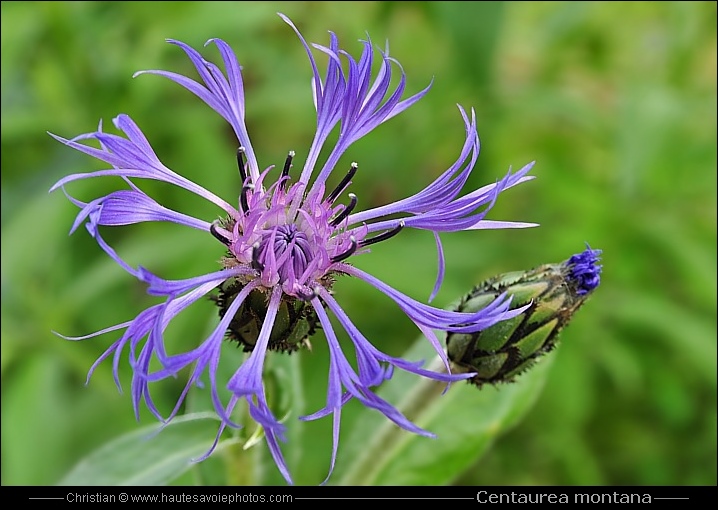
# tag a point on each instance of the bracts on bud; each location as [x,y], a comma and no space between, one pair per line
[508,348]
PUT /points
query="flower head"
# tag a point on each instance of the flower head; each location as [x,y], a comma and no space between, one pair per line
[287,238]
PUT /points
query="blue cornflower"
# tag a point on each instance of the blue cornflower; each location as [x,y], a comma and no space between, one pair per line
[286,242]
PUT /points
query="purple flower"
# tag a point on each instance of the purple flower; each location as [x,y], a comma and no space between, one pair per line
[287,239]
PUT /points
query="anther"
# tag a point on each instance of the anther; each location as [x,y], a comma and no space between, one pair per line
[343,184]
[256,264]
[348,253]
[243,197]
[383,236]
[240,164]
[218,236]
[243,176]
[346,212]
[285,171]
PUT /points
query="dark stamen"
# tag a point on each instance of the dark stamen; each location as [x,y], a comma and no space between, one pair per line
[347,210]
[285,170]
[240,164]
[243,197]
[383,236]
[343,184]
[348,253]
[243,176]
[218,236]
[256,264]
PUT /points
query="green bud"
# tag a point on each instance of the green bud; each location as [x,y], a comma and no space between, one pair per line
[294,324]
[508,348]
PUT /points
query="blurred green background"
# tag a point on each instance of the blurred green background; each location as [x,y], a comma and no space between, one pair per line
[616,102]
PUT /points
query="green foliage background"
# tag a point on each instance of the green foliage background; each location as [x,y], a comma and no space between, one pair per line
[616,102]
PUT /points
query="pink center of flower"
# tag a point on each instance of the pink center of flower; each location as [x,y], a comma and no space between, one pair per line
[289,238]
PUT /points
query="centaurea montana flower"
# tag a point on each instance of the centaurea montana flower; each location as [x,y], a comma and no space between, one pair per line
[286,242]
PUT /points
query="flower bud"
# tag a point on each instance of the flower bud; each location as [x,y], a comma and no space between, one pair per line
[508,348]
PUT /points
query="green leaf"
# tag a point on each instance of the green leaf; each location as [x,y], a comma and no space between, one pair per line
[34,422]
[465,419]
[148,456]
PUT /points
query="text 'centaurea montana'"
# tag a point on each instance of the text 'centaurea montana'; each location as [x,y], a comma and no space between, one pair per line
[287,241]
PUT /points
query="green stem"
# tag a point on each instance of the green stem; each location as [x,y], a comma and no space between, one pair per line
[297,408]
[373,458]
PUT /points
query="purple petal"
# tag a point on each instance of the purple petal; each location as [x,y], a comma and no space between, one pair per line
[464,213]
[491,225]
[366,349]
[223,95]
[131,157]
[436,318]
[161,287]
[442,266]
[443,189]
[91,227]
[128,207]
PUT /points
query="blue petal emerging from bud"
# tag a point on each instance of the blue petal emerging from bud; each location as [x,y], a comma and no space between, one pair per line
[585,272]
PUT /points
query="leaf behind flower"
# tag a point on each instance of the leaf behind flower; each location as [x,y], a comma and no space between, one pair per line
[148,456]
